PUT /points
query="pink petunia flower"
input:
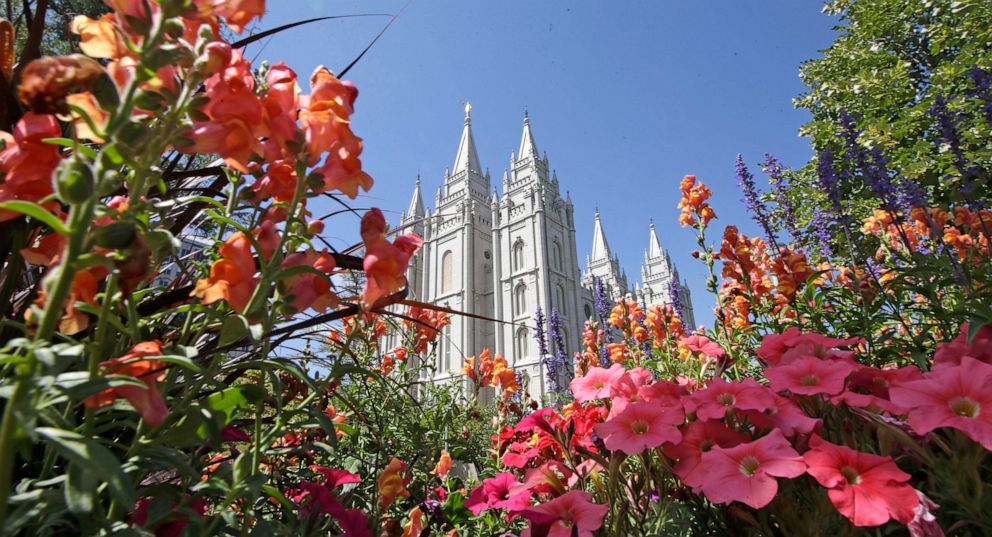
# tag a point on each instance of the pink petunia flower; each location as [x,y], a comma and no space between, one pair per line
[596,383]
[959,397]
[867,489]
[641,426]
[810,375]
[785,416]
[703,345]
[638,385]
[699,437]
[577,515]
[980,347]
[500,492]
[746,473]
[868,388]
[780,349]
[719,396]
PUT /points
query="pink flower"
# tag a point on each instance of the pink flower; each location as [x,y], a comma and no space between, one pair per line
[704,345]
[746,473]
[780,349]
[714,401]
[500,492]
[385,263]
[334,477]
[26,162]
[867,489]
[980,348]
[641,426]
[307,289]
[810,375]
[785,416]
[868,387]
[637,385]
[595,384]
[577,515]
[519,454]
[959,397]
[699,437]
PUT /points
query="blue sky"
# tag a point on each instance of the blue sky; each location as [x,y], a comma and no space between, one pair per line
[625,98]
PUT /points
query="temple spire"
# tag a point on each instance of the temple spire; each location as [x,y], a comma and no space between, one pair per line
[467,157]
[416,208]
[600,248]
[528,148]
[654,245]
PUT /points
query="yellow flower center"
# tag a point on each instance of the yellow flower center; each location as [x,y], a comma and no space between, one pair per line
[639,426]
[809,380]
[851,475]
[749,465]
[965,407]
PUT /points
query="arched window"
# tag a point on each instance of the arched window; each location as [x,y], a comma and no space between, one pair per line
[560,292]
[588,311]
[520,300]
[518,255]
[447,272]
[520,345]
[556,255]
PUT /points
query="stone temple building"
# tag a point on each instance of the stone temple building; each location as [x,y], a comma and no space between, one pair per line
[502,254]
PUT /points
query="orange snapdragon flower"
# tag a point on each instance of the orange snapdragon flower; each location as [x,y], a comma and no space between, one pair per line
[309,290]
[26,162]
[428,325]
[148,401]
[443,465]
[385,263]
[792,271]
[693,202]
[232,277]
[392,483]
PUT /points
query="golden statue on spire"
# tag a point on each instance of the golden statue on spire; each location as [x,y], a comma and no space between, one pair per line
[468,111]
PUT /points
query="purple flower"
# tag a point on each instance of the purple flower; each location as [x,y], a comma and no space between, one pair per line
[948,124]
[603,307]
[983,90]
[829,180]
[752,200]
[557,363]
[780,182]
[675,297]
[821,230]
[542,342]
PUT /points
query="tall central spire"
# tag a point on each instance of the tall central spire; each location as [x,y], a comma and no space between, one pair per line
[654,245]
[467,157]
[528,148]
[600,248]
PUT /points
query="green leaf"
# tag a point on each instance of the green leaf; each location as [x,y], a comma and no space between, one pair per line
[37,212]
[234,329]
[80,489]
[78,385]
[94,457]
[84,150]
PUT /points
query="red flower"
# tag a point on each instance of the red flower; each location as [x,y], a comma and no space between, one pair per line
[148,401]
[641,426]
[959,397]
[746,473]
[867,489]
[810,376]
[577,515]
[595,384]
[27,162]
[699,437]
[385,263]
[714,401]
[502,491]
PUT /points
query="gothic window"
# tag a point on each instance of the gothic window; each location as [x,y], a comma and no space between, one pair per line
[520,345]
[556,255]
[588,311]
[560,292]
[518,255]
[447,272]
[520,300]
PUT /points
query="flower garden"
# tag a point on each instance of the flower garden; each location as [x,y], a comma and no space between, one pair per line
[845,387]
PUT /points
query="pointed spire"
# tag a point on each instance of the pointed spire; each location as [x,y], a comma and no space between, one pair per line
[654,245]
[527,146]
[600,248]
[467,157]
[416,208]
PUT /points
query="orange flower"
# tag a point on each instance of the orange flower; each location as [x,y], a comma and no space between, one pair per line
[98,38]
[618,352]
[426,329]
[693,202]
[385,263]
[443,465]
[237,13]
[415,526]
[309,290]
[792,271]
[26,162]
[325,119]
[232,277]
[148,401]
[47,81]
[392,483]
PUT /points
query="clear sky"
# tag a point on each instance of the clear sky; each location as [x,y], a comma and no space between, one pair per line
[625,98]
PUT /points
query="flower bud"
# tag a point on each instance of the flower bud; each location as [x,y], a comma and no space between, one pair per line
[75,182]
[115,236]
[174,27]
[150,101]
[315,227]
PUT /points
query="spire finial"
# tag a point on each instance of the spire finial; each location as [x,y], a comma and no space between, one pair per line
[468,112]
[526,115]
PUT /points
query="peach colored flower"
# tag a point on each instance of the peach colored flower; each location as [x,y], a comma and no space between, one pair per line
[385,263]
[392,483]
[232,277]
[443,465]
[148,401]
